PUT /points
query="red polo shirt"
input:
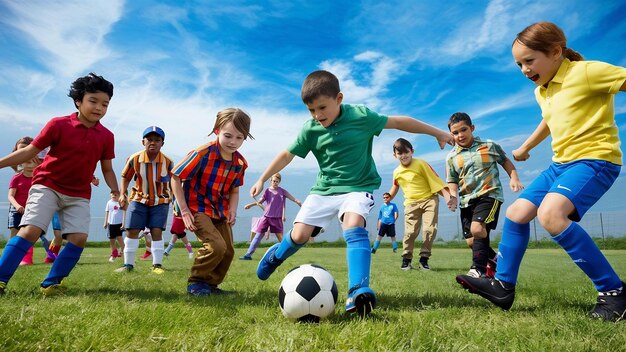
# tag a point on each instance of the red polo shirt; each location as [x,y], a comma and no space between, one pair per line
[74,153]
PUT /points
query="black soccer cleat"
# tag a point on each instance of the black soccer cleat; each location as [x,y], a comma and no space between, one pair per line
[611,306]
[491,289]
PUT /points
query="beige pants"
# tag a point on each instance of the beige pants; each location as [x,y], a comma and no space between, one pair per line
[423,212]
[213,259]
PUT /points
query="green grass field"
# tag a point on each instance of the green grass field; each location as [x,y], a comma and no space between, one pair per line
[417,310]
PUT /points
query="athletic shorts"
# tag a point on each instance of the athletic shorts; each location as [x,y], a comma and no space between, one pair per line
[484,209]
[275,225]
[140,216]
[43,202]
[14,219]
[318,210]
[583,182]
[115,230]
[387,229]
[178,227]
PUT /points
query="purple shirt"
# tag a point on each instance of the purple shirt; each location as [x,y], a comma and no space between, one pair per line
[274,202]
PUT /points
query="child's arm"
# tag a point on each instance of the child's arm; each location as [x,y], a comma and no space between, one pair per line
[233,202]
[280,161]
[409,124]
[19,156]
[185,213]
[445,193]
[106,217]
[293,199]
[123,192]
[453,188]
[250,205]
[13,201]
[514,183]
[541,132]
[109,176]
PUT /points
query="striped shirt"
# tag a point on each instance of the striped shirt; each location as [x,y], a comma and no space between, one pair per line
[475,170]
[152,178]
[208,179]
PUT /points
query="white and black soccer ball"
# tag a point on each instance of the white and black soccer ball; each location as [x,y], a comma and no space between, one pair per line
[308,293]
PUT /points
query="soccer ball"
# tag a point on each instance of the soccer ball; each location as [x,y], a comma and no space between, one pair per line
[308,293]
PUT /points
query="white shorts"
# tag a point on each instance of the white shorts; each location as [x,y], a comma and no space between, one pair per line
[319,210]
[43,202]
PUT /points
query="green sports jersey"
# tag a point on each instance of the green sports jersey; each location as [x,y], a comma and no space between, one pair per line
[343,150]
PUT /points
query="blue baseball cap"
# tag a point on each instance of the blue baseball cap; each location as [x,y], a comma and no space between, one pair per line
[154,129]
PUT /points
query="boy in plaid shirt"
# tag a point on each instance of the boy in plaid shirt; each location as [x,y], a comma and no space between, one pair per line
[206,186]
[472,170]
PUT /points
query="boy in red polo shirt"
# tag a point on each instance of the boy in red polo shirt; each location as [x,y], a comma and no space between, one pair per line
[63,180]
[206,186]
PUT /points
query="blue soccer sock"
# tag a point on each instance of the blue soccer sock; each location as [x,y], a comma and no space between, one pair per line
[288,247]
[394,245]
[63,265]
[12,255]
[511,250]
[359,256]
[584,252]
[376,244]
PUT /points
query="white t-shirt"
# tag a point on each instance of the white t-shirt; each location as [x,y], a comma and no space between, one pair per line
[116,215]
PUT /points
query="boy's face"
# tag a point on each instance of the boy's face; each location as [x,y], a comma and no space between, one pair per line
[93,107]
[325,109]
[386,199]
[275,182]
[153,143]
[114,197]
[535,65]
[229,139]
[462,133]
[405,158]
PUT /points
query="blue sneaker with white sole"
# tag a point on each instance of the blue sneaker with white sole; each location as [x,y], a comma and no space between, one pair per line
[268,263]
[361,300]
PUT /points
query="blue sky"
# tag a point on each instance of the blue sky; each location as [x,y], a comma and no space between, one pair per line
[176,64]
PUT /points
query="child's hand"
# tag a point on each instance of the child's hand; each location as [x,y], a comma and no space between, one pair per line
[232,217]
[248,206]
[256,188]
[20,210]
[122,200]
[516,185]
[188,220]
[452,203]
[520,154]
[445,138]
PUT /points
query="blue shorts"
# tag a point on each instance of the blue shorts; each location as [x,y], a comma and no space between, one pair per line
[140,216]
[583,182]
[14,219]
[56,223]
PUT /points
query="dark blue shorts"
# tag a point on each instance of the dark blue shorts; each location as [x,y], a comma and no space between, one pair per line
[387,229]
[583,182]
[14,219]
[140,216]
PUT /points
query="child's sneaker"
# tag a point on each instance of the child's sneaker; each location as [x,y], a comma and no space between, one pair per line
[611,306]
[268,263]
[245,257]
[3,287]
[473,272]
[190,255]
[373,250]
[198,289]
[112,258]
[158,269]
[424,263]
[145,256]
[493,290]
[406,264]
[166,254]
[361,300]
[53,290]
[125,269]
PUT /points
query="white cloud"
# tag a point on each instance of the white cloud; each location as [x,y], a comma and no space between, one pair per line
[72,33]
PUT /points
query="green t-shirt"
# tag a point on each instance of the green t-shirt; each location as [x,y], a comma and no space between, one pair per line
[343,150]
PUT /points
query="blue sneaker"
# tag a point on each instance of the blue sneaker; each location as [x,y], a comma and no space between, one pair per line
[361,300]
[268,263]
[198,289]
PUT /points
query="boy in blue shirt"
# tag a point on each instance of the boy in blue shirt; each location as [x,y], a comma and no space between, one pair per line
[387,217]
[340,137]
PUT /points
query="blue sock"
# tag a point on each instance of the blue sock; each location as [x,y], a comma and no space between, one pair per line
[394,245]
[376,244]
[359,256]
[12,255]
[63,265]
[512,247]
[288,247]
[584,252]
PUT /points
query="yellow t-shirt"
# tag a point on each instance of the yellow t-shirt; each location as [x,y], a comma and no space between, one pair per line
[578,107]
[418,181]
